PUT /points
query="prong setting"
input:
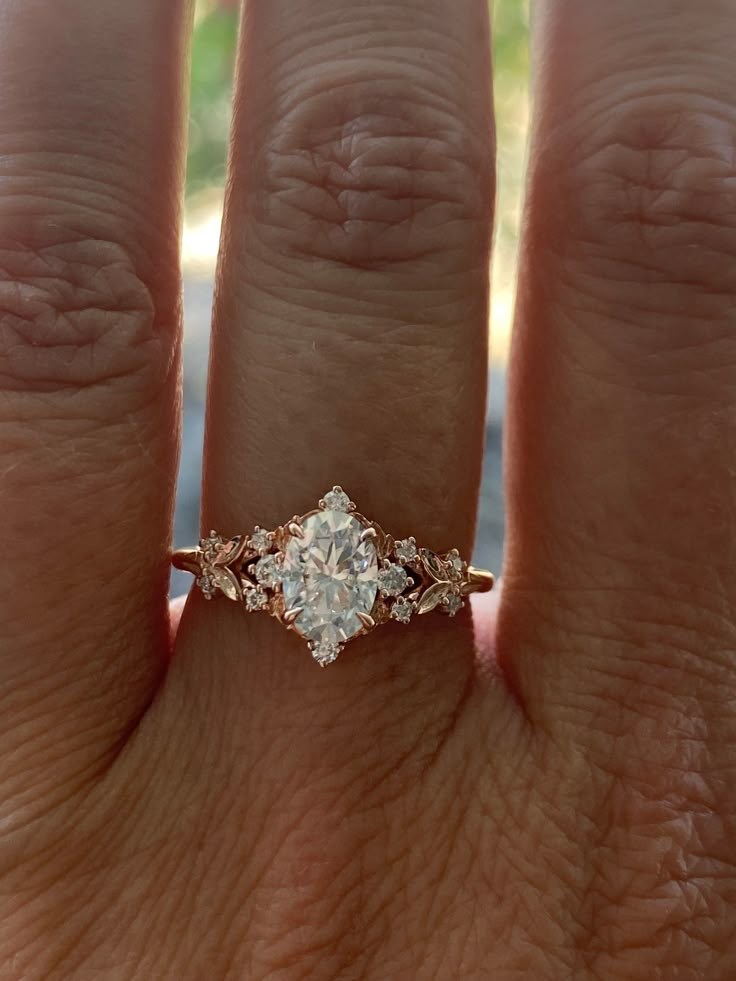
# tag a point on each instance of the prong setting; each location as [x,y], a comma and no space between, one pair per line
[331,574]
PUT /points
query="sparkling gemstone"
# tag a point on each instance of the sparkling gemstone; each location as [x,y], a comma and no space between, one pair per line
[331,575]
[268,571]
[211,545]
[255,599]
[402,610]
[207,584]
[337,500]
[392,579]
[325,652]
[455,564]
[406,551]
[260,540]
[452,603]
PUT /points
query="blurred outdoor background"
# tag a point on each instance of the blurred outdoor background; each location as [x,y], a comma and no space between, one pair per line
[211,85]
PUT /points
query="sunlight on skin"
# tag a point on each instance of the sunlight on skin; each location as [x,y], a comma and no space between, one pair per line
[201,241]
[423,809]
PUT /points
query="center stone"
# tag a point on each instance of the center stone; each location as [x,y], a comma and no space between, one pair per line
[331,575]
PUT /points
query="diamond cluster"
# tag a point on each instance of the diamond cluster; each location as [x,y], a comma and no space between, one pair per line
[331,575]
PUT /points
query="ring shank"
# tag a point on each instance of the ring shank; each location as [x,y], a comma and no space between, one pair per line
[478,581]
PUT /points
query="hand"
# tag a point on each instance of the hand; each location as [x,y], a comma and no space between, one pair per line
[553,798]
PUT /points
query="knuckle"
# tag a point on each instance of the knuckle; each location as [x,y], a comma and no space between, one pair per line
[650,195]
[670,897]
[374,172]
[76,315]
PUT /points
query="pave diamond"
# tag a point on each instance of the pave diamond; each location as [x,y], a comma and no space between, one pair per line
[392,579]
[337,500]
[331,575]
[406,551]
[255,599]
[402,609]
[268,571]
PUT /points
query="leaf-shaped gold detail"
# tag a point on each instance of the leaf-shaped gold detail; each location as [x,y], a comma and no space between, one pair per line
[229,552]
[432,597]
[227,583]
[434,566]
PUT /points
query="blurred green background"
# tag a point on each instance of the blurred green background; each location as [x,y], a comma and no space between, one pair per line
[213,62]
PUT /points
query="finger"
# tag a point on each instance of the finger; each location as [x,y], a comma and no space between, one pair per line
[350,329]
[623,393]
[90,178]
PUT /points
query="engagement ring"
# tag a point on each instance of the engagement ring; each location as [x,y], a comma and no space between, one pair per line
[331,575]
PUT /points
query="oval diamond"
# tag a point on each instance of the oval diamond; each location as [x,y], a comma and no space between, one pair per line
[331,575]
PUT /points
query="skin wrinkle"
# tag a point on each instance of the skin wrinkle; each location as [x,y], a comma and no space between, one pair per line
[685,810]
[665,127]
[343,233]
[328,121]
[710,363]
[420,47]
[276,749]
[64,342]
[256,794]
[677,898]
[54,292]
[372,948]
[87,204]
[26,192]
[116,906]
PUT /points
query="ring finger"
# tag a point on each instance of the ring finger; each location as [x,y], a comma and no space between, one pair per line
[351,322]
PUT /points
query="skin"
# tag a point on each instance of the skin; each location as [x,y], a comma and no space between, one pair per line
[544,791]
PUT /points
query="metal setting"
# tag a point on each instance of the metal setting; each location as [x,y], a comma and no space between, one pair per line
[347,574]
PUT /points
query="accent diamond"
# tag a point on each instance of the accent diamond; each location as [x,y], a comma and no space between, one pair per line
[207,584]
[406,551]
[260,540]
[402,609]
[392,579]
[455,565]
[452,603]
[325,652]
[268,571]
[211,546]
[337,500]
[331,575]
[255,599]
